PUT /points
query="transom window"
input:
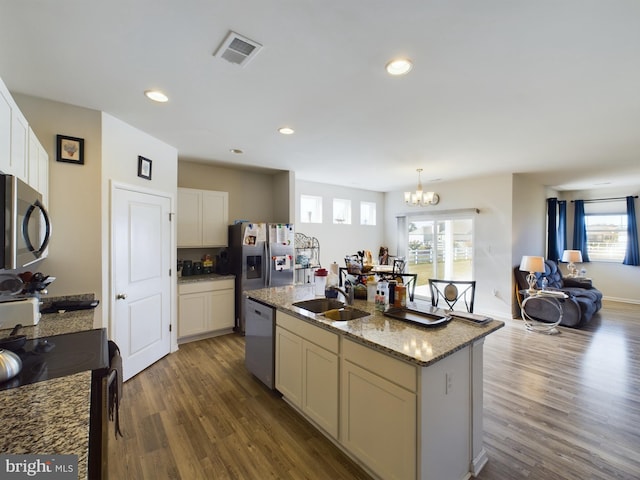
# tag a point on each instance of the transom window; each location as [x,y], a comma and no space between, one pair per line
[367,213]
[310,209]
[341,211]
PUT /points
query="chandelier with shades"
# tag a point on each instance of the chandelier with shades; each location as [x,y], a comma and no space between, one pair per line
[419,197]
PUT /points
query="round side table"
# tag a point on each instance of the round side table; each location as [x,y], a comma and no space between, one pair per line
[554,302]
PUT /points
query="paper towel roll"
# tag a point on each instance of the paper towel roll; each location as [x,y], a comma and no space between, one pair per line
[334,268]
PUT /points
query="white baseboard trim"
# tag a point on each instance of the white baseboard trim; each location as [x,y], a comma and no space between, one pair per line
[478,463]
[622,300]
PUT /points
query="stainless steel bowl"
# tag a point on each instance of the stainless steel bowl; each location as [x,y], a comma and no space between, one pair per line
[10,365]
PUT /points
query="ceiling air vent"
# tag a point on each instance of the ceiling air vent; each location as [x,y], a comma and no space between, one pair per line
[237,49]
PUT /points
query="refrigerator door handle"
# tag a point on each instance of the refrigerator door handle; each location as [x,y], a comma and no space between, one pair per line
[267,265]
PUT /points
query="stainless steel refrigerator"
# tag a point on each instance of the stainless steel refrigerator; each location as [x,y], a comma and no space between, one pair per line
[260,255]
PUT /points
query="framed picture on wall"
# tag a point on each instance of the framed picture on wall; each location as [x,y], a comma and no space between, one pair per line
[70,149]
[144,168]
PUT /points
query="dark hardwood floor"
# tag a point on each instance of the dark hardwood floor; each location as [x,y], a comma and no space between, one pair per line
[555,407]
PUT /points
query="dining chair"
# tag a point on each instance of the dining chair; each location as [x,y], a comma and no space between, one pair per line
[399,264]
[450,291]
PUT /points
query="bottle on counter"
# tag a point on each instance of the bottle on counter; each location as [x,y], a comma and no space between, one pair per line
[383,286]
[400,300]
[391,300]
[372,287]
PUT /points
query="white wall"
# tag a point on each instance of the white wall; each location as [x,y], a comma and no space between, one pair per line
[121,146]
[529,220]
[337,240]
[493,256]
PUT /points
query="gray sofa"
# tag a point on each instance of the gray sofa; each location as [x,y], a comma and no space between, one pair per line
[577,310]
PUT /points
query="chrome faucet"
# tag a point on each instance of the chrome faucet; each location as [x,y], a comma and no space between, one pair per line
[347,293]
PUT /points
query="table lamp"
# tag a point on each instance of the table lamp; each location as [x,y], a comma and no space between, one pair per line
[573,257]
[532,265]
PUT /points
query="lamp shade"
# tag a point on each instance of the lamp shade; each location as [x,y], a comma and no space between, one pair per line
[532,264]
[573,256]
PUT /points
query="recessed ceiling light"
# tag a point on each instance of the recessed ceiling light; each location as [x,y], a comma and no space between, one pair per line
[286,130]
[237,151]
[156,96]
[400,66]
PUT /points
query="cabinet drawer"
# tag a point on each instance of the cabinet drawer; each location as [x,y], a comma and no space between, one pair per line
[397,371]
[317,335]
[206,286]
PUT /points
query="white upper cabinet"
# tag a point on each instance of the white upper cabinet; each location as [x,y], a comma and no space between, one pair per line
[203,218]
[19,145]
[5,129]
[21,153]
[215,218]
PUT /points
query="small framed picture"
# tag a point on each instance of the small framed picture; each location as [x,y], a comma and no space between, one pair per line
[144,168]
[70,149]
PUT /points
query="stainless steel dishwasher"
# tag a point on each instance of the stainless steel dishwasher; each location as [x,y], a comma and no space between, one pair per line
[259,356]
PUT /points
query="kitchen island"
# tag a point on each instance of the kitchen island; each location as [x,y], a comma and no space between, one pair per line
[404,401]
[52,416]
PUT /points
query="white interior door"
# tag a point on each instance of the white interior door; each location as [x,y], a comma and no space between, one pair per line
[141,256]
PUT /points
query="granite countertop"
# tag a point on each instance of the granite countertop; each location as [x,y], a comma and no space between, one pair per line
[410,342]
[50,417]
[58,323]
[204,278]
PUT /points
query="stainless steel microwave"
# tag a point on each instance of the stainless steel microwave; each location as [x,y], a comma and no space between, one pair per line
[27,227]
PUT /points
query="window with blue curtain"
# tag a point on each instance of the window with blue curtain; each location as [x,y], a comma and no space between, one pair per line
[606,230]
[580,230]
[556,228]
[631,256]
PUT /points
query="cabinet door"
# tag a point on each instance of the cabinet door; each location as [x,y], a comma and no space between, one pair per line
[19,144]
[33,160]
[5,129]
[378,422]
[289,365]
[189,218]
[215,219]
[320,387]
[222,309]
[194,313]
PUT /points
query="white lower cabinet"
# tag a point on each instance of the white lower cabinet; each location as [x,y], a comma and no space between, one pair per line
[307,370]
[205,308]
[379,411]
[289,365]
[398,419]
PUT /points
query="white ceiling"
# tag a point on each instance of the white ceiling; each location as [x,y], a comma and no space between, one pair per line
[548,87]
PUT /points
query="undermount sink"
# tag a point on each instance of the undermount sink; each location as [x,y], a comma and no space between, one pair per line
[319,305]
[346,313]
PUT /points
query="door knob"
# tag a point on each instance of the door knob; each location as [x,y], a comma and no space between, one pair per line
[121,296]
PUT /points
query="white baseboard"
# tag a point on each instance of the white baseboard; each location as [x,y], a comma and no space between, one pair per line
[632,301]
[479,462]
